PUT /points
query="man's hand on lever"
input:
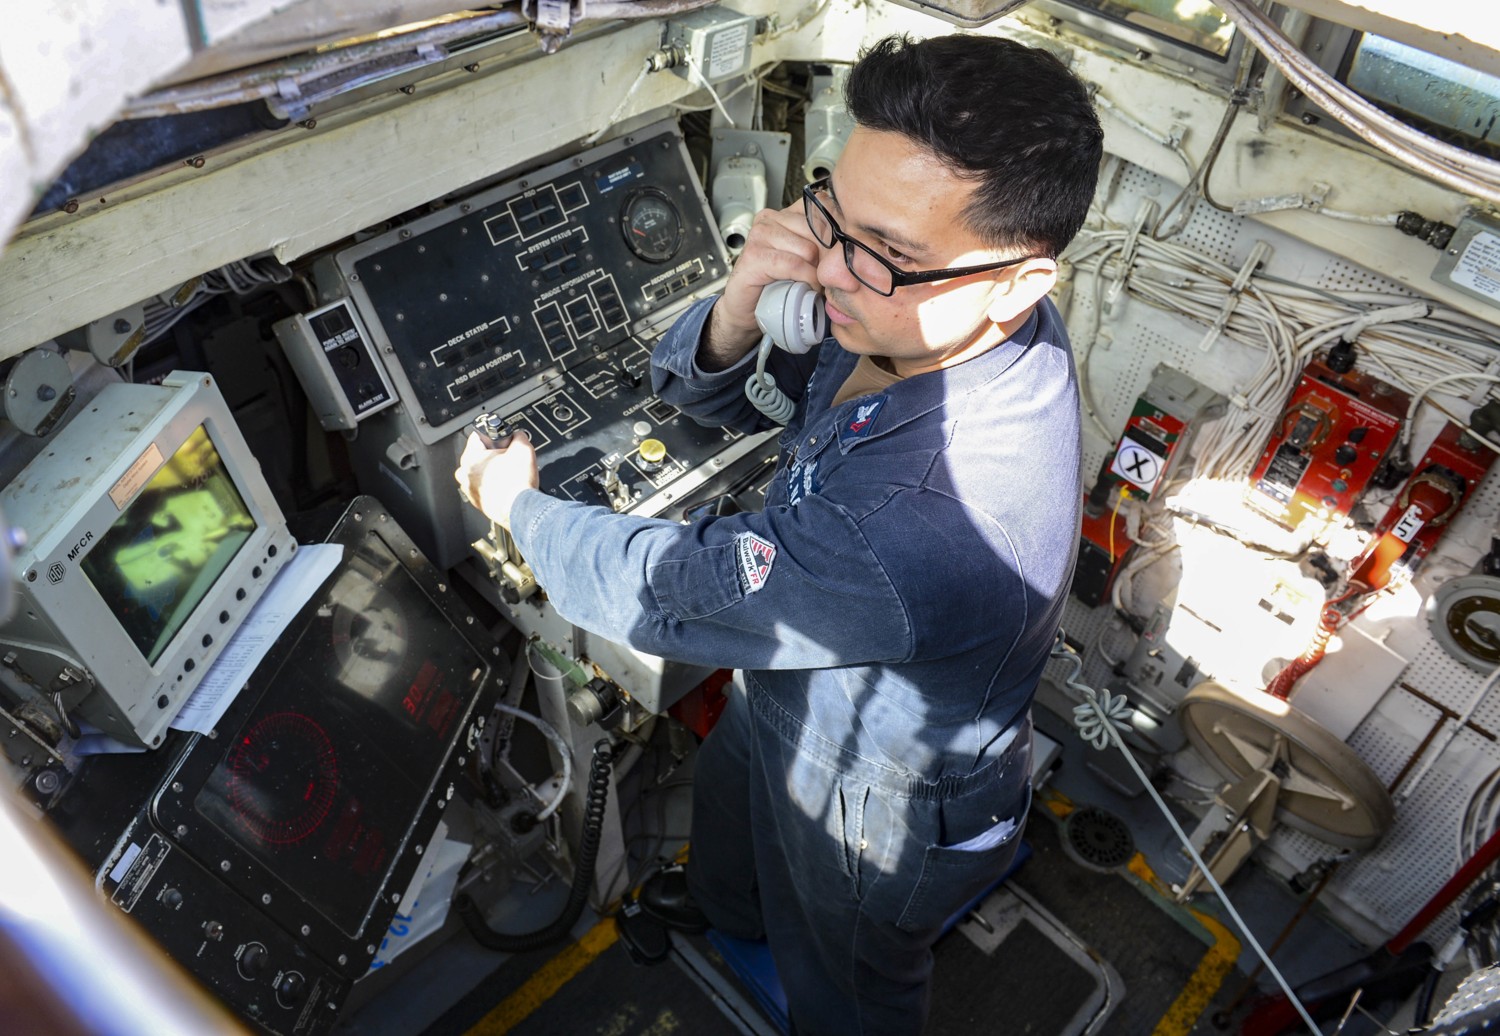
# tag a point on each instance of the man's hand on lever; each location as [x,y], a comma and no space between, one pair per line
[491,479]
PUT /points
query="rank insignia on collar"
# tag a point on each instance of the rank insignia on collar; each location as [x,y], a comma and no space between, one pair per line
[859,424]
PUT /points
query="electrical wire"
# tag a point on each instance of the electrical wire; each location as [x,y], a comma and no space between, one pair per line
[240,277]
[1416,345]
[1100,720]
[1449,165]
[762,391]
[565,753]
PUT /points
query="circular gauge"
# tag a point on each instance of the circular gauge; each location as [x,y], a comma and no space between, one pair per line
[652,225]
[283,776]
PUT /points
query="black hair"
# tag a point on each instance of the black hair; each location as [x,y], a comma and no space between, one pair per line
[1010,117]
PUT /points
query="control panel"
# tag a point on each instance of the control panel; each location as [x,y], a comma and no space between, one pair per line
[536,302]
[335,360]
[1333,434]
[544,271]
[602,436]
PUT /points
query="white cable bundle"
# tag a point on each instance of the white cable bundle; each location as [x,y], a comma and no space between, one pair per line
[1416,345]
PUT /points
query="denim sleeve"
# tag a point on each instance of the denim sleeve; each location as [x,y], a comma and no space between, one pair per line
[779,589]
[718,398]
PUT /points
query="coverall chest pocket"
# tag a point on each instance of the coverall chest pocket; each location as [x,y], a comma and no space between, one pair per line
[808,467]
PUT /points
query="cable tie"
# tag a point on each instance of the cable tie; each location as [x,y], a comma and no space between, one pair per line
[1258,255]
[1128,248]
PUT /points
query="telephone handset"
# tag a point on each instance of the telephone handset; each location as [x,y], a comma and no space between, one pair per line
[790,316]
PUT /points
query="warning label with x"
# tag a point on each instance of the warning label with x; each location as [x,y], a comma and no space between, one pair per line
[1137,464]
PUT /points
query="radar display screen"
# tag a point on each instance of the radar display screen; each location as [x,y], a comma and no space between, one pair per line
[323,779]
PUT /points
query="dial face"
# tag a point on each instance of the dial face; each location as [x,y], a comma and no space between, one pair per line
[652,225]
[283,775]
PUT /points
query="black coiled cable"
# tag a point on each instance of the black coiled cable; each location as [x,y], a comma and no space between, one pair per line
[583,873]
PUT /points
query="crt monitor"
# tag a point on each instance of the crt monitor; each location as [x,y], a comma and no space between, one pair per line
[151,534]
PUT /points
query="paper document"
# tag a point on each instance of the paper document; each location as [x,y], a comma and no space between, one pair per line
[293,587]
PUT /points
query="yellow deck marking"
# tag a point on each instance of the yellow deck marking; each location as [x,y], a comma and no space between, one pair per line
[1207,977]
[549,978]
[1204,982]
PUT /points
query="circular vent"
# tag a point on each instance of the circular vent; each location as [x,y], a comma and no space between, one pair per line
[1097,839]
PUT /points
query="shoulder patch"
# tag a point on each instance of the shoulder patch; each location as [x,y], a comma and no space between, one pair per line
[755,557]
[859,424]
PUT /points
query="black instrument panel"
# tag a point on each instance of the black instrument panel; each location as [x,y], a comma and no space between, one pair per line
[269,857]
[544,271]
[314,799]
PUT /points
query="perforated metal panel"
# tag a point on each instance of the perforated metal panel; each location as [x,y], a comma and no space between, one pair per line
[1340,275]
[1375,892]
[1217,234]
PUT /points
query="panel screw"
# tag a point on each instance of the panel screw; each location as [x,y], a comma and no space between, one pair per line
[408,89]
[70,206]
[196,161]
[308,123]
[472,67]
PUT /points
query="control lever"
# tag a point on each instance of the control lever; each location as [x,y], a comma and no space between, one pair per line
[493,432]
[506,566]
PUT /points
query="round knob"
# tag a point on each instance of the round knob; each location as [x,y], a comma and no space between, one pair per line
[171,898]
[653,452]
[253,960]
[290,989]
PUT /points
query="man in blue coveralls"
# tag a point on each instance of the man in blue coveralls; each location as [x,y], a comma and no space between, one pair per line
[893,605]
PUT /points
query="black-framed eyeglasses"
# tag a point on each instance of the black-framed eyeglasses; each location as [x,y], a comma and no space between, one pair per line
[869,269]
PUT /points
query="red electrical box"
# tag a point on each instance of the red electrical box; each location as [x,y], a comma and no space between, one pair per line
[1147,451]
[1102,547]
[1158,425]
[1437,490]
[1333,434]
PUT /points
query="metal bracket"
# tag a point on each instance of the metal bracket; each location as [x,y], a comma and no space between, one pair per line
[1241,817]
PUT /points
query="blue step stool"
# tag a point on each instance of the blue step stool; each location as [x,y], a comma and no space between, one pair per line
[751,960]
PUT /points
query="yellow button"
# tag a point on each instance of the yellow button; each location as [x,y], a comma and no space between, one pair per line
[653,451]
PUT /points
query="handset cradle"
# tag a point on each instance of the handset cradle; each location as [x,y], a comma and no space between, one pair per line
[791,316]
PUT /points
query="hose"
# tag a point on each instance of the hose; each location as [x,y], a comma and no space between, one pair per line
[583,874]
[1281,684]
